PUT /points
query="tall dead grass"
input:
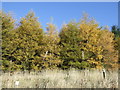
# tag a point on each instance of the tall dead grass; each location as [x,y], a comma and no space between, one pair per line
[60,79]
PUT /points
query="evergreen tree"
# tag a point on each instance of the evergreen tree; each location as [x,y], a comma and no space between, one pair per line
[25,43]
[7,25]
[89,32]
[116,31]
[99,45]
[110,56]
[70,51]
[50,56]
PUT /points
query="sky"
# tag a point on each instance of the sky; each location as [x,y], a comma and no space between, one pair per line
[105,13]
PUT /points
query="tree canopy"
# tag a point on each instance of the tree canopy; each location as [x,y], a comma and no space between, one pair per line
[80,45]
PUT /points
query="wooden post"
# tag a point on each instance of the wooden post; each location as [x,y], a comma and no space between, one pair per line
[104,73]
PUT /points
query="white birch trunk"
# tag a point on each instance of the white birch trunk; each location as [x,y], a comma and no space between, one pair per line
[83,55]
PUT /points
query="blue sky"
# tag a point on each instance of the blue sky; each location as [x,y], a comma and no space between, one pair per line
[105,13]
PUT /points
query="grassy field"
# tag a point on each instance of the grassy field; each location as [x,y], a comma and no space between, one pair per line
[60,79]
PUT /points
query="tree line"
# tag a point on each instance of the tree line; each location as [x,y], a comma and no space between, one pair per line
[80,45]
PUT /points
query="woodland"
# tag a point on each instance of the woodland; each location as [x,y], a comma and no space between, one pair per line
[80,45]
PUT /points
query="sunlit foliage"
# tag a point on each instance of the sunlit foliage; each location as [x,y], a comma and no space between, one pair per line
[80,45]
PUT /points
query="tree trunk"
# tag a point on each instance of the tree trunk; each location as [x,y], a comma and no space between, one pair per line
[83,55]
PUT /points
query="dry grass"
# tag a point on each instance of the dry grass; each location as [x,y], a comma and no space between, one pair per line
[61,79]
